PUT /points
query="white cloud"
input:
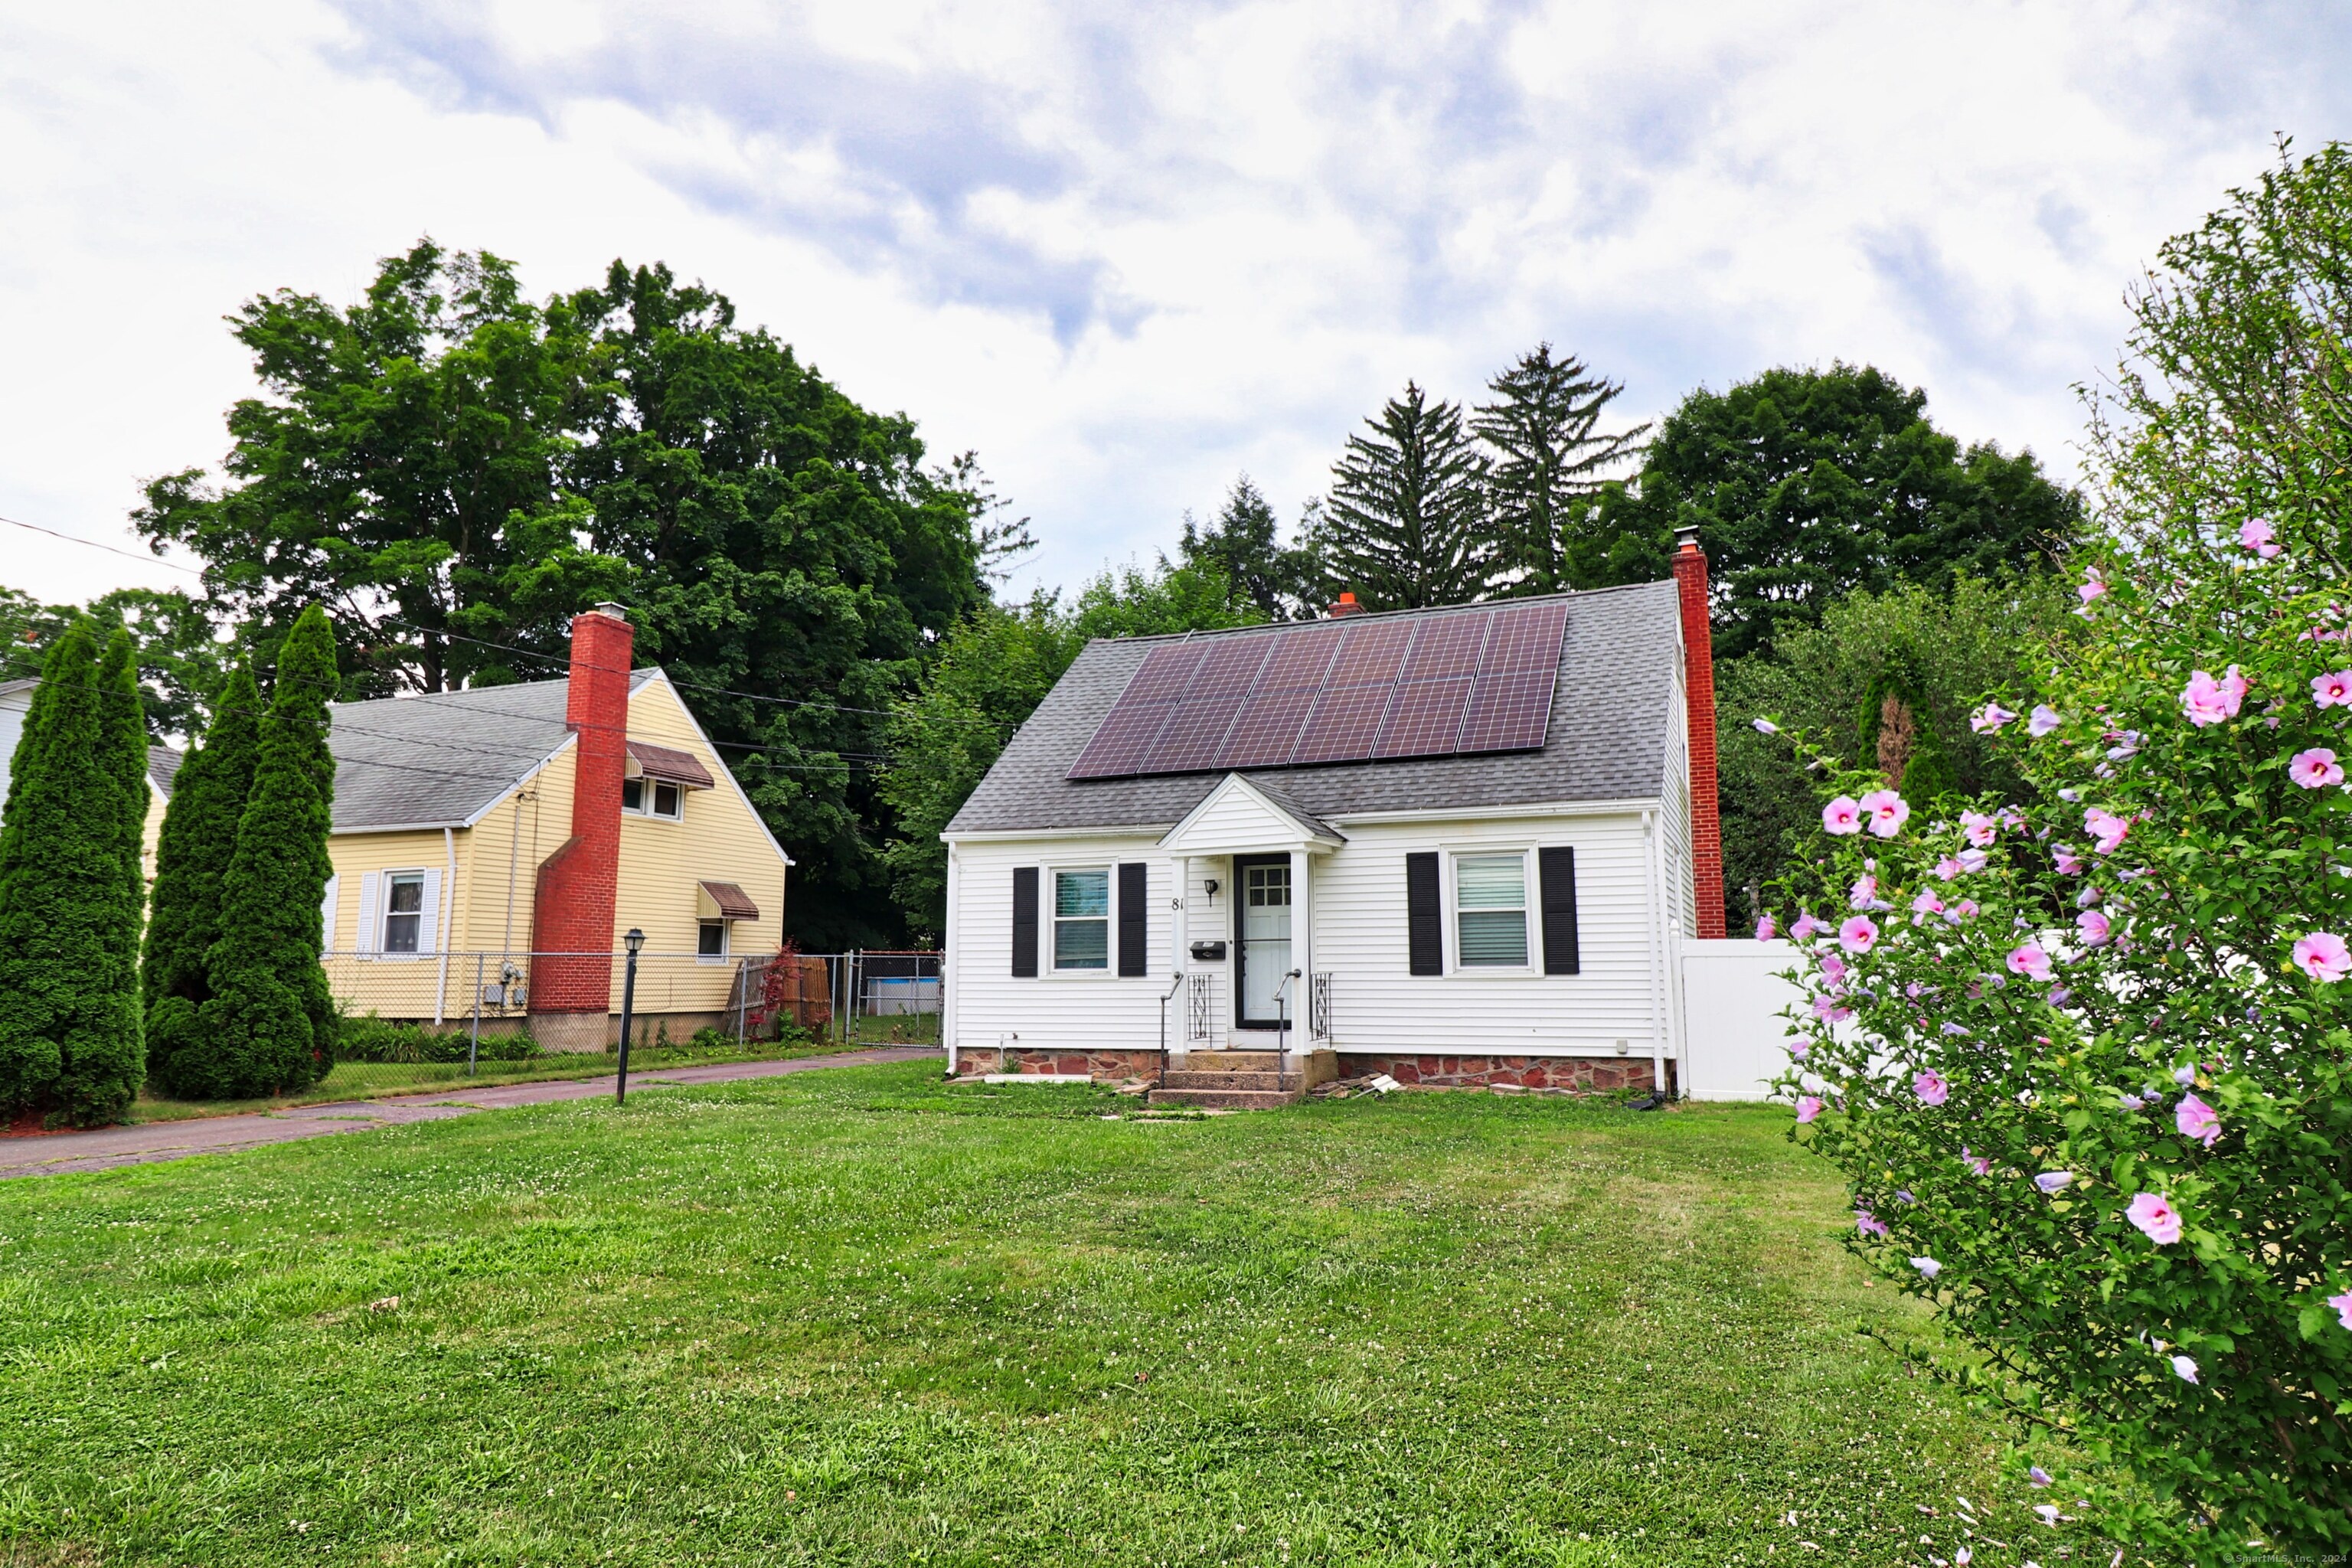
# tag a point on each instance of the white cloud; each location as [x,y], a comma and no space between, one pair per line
[1126,251]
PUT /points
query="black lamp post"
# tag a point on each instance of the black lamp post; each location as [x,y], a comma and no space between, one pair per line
[633,942]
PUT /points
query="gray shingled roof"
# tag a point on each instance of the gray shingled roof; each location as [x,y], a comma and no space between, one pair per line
[436,761]
[164,766]
[1610,719]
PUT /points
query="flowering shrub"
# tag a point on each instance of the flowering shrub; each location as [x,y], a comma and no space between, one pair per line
[2084,1056]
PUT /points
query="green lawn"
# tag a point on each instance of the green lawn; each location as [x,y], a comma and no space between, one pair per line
[373,1080]
[858,1316]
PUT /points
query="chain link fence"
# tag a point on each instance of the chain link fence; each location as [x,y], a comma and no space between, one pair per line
[861,996]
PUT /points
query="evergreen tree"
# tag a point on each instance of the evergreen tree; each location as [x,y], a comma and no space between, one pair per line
[193,856]
[1543,425]
[1244,546]
[269,1025]
[1405,523]
[69,886]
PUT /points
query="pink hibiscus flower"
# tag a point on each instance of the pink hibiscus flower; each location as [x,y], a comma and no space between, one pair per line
[1862,894]
[2069,863]
[2314,769]
[2028,960]
[2092,589]
[1858,934]
[2184,1368]
[2197,1119]
[1868,1224]
[1806,926]
[2094,927]
[1931,1087]
[2043,720]
[2333,690]
[2324,957]
[1981,827]
[1808,1107]
[1765,930]
[2258,537]
[1990,719]
[2343,1305]
[2107,830]
[1887,812]
[2156,1217]
[2209,702]
[1977,1162]
[1927,904]
[1842,815]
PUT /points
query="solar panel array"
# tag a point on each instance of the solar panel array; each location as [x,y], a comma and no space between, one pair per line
[1336,692]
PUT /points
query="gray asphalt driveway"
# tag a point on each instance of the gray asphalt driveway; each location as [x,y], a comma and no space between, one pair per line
[51,1153]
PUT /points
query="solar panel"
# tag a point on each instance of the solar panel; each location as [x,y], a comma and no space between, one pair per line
[1345,724]
[1424,718]
[1195,738]
[1507,712]
[1372,651]
[1526,637]
[1448,646]
[1301,657]
[1266,729]
[1336,691]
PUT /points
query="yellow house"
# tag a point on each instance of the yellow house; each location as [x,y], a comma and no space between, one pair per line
[448,808]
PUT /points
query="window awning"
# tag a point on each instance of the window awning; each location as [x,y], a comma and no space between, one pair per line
[667,763]
[726,901]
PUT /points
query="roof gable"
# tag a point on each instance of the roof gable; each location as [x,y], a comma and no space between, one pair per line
[1611,719]
[1239,816]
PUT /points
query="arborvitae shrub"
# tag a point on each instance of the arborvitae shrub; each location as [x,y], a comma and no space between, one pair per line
[199,839]
[270,1022]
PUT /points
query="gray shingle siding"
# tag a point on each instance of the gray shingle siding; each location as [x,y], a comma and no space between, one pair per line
[1610,721]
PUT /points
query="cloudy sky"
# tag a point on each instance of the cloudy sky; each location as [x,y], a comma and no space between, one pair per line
[1124,250]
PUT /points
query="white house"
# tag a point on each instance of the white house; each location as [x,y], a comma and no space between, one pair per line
[1467,845]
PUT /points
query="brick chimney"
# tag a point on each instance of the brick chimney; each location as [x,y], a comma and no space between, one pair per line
[1347,607]
[579,884]
[1698,677]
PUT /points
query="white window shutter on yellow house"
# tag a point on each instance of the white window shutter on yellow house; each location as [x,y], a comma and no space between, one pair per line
[428,915]
[327,912]
[370,899]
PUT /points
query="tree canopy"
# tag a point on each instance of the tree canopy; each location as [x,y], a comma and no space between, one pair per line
[1550,458]
[1405,525]
[1807,485]
[452,469]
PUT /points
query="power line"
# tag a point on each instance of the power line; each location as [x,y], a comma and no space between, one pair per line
[534,653]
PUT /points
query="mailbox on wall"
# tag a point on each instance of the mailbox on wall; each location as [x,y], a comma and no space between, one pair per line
[1208,952]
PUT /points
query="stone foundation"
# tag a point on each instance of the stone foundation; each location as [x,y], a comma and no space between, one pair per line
[602,1031]
[1104,1067]
[1577,1074]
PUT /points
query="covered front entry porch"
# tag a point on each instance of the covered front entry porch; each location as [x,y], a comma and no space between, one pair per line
[1256,1006]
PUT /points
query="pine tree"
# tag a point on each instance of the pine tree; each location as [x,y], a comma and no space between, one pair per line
[1543,423]
[1244,544]
[70,889]
[193,856]
[269,1025]
[1405,522]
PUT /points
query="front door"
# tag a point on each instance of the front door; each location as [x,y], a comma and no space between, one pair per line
[1261,948]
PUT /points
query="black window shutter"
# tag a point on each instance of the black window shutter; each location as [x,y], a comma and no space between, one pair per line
[1134,930]
[1024,919]
[1556,869]
[1424,922]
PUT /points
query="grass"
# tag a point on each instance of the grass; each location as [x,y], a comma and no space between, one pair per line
[861,1315]
[374,1080]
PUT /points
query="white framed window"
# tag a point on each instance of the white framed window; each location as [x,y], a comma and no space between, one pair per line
[710,942]
[404,911]
[1490,910]
[1081,899]
[654,797]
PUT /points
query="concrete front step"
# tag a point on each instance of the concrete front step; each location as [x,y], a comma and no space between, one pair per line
[1228,1099]
[1188,1077]
[1238,1061]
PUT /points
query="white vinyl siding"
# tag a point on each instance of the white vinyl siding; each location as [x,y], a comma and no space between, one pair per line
[1358,940]
[1490,910]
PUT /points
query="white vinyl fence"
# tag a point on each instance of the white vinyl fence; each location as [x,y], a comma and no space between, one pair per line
[1735,1041]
